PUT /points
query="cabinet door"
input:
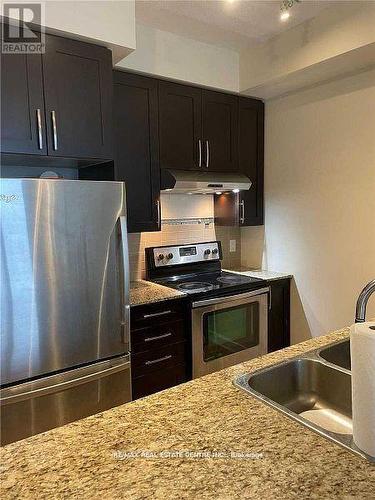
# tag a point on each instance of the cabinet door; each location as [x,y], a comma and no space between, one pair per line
[180,123]
[279,315]
[136,148]
[22,105]
[251,160]
[78,95]
[220,131]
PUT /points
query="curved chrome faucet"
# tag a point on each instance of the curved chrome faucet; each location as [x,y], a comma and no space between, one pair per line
[360,310]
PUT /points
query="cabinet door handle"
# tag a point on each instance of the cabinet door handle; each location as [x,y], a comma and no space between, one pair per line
[199,153]
[54,129]
[164,336]
[159,212]
[39,125]
[159,360]
[155,315]
[207,154]
[242,215]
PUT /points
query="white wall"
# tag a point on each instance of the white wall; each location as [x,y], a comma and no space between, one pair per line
[339,40]
[165,54]
[320,201]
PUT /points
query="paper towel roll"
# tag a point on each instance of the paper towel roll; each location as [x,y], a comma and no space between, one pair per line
[362,349]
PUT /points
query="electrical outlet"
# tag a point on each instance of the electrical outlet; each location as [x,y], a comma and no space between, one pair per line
[232,245]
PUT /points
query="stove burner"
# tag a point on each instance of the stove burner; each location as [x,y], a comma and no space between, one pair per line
[195,286]
[229,279]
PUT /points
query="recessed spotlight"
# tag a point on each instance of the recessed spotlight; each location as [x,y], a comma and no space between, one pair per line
[218,192]
[235,190]
[284,16]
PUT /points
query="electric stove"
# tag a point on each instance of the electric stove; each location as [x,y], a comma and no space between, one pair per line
[195,269]
[229,312]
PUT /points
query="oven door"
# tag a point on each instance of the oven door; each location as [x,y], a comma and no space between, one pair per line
[229,330]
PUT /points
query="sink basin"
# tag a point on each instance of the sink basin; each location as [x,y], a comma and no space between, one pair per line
[337,354]
[310,390]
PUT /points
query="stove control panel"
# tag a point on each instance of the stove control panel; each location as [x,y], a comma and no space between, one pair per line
[186,254]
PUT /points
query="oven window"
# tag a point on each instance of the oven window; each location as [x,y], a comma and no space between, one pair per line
[230,330]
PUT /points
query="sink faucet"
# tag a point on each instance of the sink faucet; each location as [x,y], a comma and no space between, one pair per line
[360,310]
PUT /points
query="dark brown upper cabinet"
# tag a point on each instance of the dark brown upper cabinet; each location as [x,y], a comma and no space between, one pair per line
[251,160]
[246,208]
[22,104]
[137,148]
[78,97]
[220,131]
[59,103]
[198,128]
[180,125]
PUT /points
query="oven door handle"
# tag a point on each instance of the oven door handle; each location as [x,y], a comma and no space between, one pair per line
[230,298]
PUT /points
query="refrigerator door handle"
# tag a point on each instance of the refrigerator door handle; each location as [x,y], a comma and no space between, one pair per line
[25,391]
[125,325]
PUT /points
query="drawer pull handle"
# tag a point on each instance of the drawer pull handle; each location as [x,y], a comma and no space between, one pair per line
[155,315]
[164,336]
[152,362]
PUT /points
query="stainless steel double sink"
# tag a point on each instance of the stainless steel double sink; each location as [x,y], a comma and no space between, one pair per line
[313,389]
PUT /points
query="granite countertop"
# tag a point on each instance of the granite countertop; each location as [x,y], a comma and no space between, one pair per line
[145,292]
[260,273]
[92,458]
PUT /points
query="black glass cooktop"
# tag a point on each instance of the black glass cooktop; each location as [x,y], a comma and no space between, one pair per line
[209,282]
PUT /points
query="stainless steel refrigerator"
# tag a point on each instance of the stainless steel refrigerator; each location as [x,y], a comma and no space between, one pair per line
[65,310]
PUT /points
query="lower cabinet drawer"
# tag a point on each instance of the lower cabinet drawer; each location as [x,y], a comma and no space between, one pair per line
[151,314]
[159,380]
[154,337]
[158,359]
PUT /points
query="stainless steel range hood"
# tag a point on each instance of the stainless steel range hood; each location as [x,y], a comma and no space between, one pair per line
[195,182]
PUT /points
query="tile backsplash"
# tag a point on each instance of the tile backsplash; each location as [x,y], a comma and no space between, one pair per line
[185,219]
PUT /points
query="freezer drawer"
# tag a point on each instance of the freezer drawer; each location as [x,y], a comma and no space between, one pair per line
[34,407]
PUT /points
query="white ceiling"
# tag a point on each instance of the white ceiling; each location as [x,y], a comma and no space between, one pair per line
[229,23]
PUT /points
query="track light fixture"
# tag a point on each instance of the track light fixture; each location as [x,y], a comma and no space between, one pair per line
[286,5]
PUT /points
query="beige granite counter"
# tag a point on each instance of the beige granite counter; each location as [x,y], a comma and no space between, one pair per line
[260,273]
[145,292]
[87,459]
